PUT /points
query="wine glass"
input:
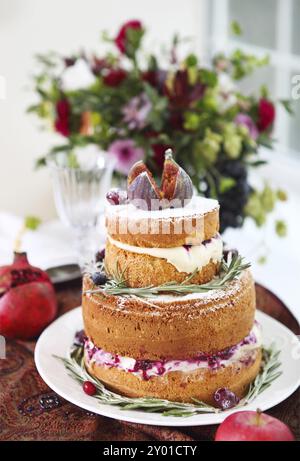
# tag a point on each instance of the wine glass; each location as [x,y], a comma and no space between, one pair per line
[80,180]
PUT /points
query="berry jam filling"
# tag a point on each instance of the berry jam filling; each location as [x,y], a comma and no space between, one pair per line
[145,369]
[205,242]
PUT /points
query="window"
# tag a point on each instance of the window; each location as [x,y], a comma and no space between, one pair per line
[269,27]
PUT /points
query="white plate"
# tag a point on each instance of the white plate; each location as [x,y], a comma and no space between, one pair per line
[58,338]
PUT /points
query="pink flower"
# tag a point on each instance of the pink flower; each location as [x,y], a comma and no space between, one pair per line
[126,153]
[136,112]
[246,120]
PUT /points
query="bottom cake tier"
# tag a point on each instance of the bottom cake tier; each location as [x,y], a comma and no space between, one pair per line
[179,380]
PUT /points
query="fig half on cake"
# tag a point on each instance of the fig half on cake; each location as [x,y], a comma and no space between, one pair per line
[176,188]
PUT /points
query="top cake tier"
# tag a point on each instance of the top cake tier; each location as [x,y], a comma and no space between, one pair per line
[193,224]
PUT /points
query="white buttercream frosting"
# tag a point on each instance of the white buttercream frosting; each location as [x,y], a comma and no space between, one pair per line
[184,258]
[197,206]
[242,352]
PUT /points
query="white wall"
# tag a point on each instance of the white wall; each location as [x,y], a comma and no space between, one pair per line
[36,26]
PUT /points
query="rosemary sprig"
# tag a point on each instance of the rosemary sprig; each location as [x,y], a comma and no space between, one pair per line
[77,370]
[268,374]
[229,271]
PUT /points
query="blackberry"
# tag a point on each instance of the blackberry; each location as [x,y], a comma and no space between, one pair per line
[99,278]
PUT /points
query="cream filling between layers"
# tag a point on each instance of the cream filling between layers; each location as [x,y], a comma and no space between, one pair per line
[184,258]
[145,369]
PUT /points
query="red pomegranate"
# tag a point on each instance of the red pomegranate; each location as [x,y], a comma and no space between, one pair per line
[27,299]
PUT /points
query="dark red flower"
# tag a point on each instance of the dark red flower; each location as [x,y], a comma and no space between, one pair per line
[69,61]
[155,78]
[183,94]
[121,38]
[151,133]
[176,120]
[114,77]
[62,121]
[159,154]
[266,114]
[98,64]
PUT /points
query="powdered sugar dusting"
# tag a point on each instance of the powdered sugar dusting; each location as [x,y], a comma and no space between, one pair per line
[197,206]
[204,303]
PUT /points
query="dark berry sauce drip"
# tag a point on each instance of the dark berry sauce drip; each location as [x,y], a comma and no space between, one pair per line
[24,276]
[213,360]
[187,247]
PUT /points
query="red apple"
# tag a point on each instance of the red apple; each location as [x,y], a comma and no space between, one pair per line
[251,426]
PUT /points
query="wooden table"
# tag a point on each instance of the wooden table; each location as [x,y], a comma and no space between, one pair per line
[29,410]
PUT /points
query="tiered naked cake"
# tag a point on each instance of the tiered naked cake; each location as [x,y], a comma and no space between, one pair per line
[163,320]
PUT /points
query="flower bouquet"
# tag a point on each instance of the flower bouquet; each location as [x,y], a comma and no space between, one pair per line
[135,108]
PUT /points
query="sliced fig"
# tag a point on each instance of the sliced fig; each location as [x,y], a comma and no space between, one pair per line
[141,192]
[176,184]
[139,168]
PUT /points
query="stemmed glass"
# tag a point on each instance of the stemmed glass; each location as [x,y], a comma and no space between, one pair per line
[80,182]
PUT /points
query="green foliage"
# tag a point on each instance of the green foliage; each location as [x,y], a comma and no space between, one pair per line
[235,28]
[190,108]
[281,228]
[288,105]
[32,222]
[226,184]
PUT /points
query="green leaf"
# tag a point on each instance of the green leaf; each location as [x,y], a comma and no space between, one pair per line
[191,60]
[208,77]
[40,163]
[262,260]
[281,228]
[235,28]
[32,222]
[133,42]
[281,195]
[257,163]
[264,92]
[265,140]
[287,104]
[72,160]
[226,184]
